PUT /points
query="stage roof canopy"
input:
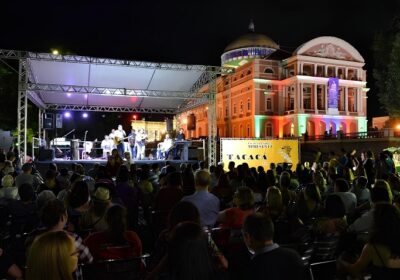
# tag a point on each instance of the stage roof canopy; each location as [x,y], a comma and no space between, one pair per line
[71,82]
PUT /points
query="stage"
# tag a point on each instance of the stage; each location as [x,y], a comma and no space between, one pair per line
[42,166]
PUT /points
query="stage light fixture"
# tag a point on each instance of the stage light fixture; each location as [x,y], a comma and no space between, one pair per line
[85,115]
[67,115]
[55,52]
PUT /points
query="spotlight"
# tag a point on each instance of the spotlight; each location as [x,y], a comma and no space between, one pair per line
[67,115]
[85,115]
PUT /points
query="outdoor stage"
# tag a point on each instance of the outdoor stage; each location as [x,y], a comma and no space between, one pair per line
[43,166]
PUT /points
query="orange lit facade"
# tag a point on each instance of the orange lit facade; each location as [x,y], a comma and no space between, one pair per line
[272,96]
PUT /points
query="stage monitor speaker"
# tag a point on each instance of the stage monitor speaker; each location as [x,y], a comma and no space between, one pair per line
[46,154]
[169,124]
[191,122]
[59,121]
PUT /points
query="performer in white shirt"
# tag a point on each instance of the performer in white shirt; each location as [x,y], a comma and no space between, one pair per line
[140,143]
[119,136]
[164,147]
[107,146]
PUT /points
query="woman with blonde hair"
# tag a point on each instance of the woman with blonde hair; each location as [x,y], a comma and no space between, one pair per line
[274,202]
[244,205]
[52,256]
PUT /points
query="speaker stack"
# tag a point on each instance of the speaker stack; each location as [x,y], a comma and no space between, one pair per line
[48,121]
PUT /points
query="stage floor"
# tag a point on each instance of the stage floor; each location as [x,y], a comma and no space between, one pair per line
[42,166]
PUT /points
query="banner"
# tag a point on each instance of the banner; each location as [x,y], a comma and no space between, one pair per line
[333,93]
[259,152]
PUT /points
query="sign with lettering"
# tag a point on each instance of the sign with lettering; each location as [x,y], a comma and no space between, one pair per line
[333,93]
[259,152]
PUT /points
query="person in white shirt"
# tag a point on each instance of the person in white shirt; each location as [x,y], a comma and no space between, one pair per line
[164,147]
[140,143]
[106,145]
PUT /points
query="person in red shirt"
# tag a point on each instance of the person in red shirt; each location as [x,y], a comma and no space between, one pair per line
[244,206]
[116,242]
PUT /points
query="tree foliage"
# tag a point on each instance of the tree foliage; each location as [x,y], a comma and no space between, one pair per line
[387,68]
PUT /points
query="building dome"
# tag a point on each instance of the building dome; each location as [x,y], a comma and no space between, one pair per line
[252,40]
[246,48]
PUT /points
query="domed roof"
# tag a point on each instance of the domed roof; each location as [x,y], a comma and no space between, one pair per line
[252,40]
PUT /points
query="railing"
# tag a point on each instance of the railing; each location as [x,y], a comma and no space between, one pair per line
[348,136]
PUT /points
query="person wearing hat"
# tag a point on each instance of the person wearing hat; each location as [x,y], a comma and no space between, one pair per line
[8,191]
[94,219]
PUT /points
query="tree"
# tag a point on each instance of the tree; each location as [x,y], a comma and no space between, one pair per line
[387,68]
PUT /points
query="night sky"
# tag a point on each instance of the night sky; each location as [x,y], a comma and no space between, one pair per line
[191,32]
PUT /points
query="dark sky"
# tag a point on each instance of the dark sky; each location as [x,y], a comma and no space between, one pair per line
[192,32]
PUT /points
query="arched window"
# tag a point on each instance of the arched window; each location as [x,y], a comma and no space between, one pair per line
[268,104]
[248,104]
[268,71]
[241,106]
[234,108]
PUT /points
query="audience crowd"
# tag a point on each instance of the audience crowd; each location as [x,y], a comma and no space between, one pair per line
[193,222]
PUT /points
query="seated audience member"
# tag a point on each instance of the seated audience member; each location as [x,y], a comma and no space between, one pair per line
[78,202]
[167,197]
[382,251]
[223,190]
[26,177]
[50,182]
[269,261]
[361,190]
[234,217]
[116,242]
[43,198]
[333,220]
[52,256]
[288,195]
[349,199]
[8,191]
[23,211]
[309,203]
[54,218]
[8,268]
[206,203]
[113,163]
[94,219]
[274,204]
[188,254]
[364,223]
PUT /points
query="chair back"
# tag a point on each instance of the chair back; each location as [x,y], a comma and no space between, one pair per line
[326,270]
[121,269]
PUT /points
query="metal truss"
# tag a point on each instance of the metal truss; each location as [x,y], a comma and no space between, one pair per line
[110,109]
[110,91]
[35,98]
[212,120]
[22,117]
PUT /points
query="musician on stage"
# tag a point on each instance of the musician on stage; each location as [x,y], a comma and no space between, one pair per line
[119,136]
[140,143]
[164,147]
[132,141]
[178,149]
[107,146]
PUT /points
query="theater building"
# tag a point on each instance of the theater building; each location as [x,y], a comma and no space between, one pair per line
[318,89]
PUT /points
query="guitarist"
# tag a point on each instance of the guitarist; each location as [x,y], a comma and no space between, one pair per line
[119,136]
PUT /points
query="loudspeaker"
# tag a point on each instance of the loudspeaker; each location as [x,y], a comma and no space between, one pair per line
[169,124]
[191,122]
[48,121]
[59,121]
[46,154]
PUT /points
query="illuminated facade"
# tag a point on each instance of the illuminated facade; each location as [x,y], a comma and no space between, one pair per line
[319,89]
